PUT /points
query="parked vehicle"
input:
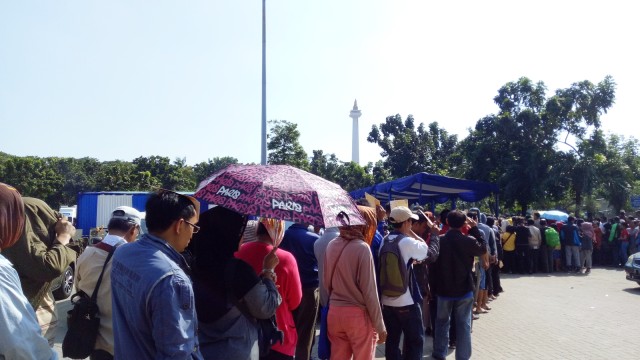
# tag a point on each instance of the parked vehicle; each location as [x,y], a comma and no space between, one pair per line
[632,268]
[63,285]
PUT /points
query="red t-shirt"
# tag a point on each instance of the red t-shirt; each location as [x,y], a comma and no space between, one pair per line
[624,235]
[289,287]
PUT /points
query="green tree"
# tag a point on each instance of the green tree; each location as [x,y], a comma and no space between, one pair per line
[172,176]
[517,147]
[349,175]
[284,145]
[325,166]
[577,110]
[34,177]
[619,170]
[380,173]
[407,150]
[79,176]
[182,177]
[120,176]
[158,167]
[203,169]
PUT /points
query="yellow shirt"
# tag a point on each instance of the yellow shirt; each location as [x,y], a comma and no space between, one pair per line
[508,241]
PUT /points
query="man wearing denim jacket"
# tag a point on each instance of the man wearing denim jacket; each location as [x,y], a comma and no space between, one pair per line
[154,314]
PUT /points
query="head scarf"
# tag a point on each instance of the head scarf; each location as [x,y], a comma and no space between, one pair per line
[215,244]
[587,229]
[275,228]
[11,216]
[364,232]
[217,240]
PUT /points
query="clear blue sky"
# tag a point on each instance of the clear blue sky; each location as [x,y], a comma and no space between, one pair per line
[121,79]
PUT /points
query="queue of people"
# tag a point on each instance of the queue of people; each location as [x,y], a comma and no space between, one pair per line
[538,245]
[199,285]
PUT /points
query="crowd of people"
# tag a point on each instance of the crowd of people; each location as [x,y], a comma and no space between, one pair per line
[201,285]
[538,245]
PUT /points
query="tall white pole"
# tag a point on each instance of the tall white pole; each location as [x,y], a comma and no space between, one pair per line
[355,136]
[263,157]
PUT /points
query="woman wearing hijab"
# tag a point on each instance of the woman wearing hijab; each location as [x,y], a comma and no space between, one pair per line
[586,248]
[269,234]
[20,335]
[355,319]
[221,282]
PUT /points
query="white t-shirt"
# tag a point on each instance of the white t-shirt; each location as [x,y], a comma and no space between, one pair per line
[410,248]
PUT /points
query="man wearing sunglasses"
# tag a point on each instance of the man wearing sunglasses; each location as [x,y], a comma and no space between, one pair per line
[154,312]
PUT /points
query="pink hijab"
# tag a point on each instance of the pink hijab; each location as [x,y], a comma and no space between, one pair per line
[587,229]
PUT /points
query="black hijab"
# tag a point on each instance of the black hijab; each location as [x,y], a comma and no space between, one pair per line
[213,252]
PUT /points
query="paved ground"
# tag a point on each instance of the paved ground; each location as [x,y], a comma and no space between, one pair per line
[550,317]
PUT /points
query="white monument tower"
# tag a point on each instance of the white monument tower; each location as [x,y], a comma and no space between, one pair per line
[355,148]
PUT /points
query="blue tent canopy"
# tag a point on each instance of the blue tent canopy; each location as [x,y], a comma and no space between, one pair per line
[428,188]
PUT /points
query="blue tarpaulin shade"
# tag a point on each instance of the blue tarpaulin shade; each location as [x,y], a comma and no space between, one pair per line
[556,215]
[428,188]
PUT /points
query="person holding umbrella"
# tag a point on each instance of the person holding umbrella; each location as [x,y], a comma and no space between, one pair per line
[269,235]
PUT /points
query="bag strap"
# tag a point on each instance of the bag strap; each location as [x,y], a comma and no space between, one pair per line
[335,265]
[94,295]
[509,238]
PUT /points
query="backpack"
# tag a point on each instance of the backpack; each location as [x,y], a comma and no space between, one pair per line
[394,274]
[552,237]
[577,238]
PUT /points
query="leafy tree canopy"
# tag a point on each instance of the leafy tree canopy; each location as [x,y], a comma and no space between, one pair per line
[408,150]
[517,147]
[283,145]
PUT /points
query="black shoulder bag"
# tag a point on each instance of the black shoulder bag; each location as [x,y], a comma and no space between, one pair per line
[83,321]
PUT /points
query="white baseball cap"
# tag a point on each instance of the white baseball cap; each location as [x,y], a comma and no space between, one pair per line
[401,214]
[128,214]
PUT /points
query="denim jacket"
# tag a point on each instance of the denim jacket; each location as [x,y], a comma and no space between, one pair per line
[154,314]
[20,336]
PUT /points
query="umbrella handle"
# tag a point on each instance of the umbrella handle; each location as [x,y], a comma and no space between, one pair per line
[341,217]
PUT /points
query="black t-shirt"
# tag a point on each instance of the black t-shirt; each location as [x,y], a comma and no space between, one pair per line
[522,235]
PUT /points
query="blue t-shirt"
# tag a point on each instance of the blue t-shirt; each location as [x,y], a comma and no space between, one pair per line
[298,240]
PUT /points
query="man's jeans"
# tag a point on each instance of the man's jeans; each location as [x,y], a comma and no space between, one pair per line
[462,310]
[549,255]
[624,248]
[405,320]
[572,251]
[534,259]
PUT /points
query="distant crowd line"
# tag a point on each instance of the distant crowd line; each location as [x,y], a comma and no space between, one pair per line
[535,244]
